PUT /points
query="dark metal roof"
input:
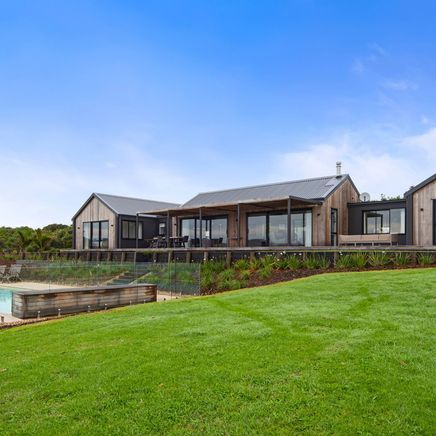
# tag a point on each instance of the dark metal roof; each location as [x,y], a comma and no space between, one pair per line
[420,185]
[308,189]
[128,205]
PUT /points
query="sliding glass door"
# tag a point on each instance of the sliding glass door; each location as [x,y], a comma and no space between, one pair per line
[211,231]
[271,229]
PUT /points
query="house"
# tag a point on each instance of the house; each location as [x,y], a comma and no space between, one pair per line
[412,219]
[309,212]
[110,221]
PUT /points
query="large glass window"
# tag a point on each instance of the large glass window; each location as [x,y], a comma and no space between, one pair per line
[86,236]
[334,227]
[297,228]
[384,221]
[272,229]
[96,234]
[218,231]
[128,229]
[213,231]
[398,220]
[278,229]
[256,230]
[104,234]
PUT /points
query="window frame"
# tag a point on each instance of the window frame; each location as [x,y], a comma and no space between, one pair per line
[91,225]
[376,211]
[131,230]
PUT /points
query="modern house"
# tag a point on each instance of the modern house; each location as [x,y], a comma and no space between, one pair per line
[110,221]
[309,212]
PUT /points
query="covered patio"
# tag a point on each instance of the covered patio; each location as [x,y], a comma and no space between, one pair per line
[273,222]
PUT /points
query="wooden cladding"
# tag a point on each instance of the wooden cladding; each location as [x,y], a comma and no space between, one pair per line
[34,304]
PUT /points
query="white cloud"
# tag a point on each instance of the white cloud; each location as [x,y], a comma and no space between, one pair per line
[390,171]
[358,66]
[41,191]
[399,85]
[424,145]
[361,63]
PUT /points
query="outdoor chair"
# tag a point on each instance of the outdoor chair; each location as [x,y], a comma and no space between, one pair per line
[2,272]
[184,240]
[13,275]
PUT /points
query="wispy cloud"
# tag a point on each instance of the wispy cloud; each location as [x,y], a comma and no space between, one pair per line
[399,85]
[372,167]
[362,63]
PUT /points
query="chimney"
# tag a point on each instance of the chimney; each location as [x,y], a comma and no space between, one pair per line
[338,169]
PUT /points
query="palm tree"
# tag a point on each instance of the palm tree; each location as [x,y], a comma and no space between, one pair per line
[25,238]
[41,240]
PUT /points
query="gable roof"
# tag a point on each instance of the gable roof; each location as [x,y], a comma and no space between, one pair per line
[420,185]
[127,205]
[309,189]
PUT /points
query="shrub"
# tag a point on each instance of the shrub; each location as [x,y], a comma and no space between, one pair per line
[379,258]
[359,260]
[281,262]
[255,264]
[314,261]
[401,259]
[207,281]
[265,272]
[425,259]
[241,264]
[214,266]
[268,261]
[344,261]
[293,262]
[245,274]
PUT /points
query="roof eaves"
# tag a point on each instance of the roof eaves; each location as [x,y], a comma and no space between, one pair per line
[420,185]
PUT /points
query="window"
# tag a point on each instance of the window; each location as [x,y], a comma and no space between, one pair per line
[95,234]
[213,230]
[334,227]
[256,230]
[86,236]
[384,221]
[128,229]
[398,221]
[162,229]
[278,229]
[272,229]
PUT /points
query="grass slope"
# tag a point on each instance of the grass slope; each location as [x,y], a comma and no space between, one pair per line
[339,353]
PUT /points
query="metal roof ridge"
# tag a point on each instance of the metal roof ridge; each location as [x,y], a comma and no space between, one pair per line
[267,184]
[134,198]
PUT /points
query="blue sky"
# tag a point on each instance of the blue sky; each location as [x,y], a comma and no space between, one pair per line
[163,99]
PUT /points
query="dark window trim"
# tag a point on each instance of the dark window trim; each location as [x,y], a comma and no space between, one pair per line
[334,235]
[434,221]
[140,223]
[279,212]
[91,234]
[384,210]
[204,218]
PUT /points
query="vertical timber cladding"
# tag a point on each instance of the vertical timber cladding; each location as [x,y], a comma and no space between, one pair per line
[321,218]
[95,210]
[423,214]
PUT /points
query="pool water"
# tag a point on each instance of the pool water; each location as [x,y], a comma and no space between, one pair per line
[5,301]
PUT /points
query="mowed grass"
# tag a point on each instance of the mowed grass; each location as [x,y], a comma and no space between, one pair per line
[343,353]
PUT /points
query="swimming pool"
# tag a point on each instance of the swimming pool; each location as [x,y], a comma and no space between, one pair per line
[5,300]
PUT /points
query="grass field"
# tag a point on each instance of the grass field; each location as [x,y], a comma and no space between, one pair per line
[343,353]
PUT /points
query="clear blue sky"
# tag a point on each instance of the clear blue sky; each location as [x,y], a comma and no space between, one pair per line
[163,99]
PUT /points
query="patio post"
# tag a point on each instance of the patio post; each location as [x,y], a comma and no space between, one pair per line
[201,227]
[238,228]
[289,221]
[137,230]
[168,229]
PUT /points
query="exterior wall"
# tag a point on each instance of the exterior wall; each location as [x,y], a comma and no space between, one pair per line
[321,218]
[49,303]
[355,215]
[95,210]
[422,201]
[150,229]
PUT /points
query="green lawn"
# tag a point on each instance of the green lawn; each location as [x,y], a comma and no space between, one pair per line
[343,353]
